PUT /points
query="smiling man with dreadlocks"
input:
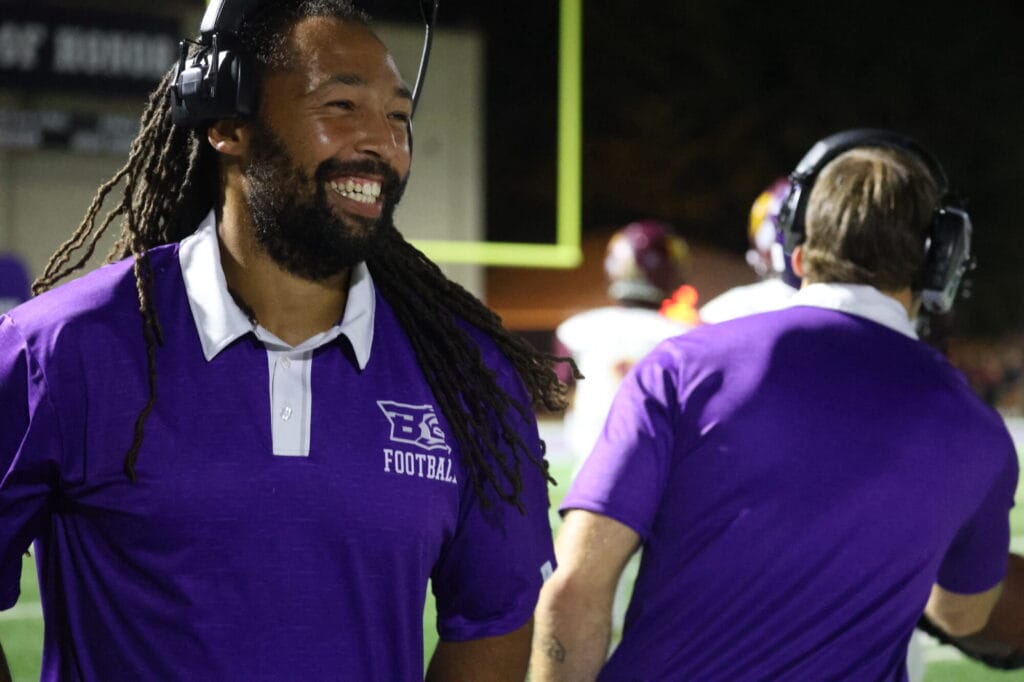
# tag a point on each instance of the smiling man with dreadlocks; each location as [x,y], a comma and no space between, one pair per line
[256,478]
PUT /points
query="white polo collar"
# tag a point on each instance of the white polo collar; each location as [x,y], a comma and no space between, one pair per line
[857,299]
[220,321]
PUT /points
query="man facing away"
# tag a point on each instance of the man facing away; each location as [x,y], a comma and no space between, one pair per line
[255,478]
[804,481]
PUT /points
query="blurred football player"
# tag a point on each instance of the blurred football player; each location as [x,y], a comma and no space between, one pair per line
[647,265]
[768,259]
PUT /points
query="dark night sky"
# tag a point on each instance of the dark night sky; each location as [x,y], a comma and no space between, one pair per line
[692,106]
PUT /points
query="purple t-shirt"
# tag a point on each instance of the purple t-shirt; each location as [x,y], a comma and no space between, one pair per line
[224,561]
[799,479]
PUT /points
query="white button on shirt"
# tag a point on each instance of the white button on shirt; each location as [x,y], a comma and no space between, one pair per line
[219,321]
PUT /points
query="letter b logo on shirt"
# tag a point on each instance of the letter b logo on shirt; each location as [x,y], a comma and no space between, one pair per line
[414,424]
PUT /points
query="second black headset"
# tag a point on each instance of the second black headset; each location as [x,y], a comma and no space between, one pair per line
[948,244]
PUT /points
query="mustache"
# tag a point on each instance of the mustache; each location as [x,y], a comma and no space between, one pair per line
[330,168]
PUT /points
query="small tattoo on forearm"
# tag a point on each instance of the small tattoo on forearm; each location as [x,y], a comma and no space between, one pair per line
[554,649]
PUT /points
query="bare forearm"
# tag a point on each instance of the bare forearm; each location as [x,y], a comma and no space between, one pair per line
[1000,644]
[961,615]
[574,613]
[571,635]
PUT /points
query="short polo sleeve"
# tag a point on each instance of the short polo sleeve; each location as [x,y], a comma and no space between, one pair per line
[625,474]
[29,449]
[491,571]
[977,559]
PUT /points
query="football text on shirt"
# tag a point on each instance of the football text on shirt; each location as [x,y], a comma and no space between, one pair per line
[416,425]
[417,464]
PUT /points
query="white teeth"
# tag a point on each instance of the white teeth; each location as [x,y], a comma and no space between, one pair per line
[365,194]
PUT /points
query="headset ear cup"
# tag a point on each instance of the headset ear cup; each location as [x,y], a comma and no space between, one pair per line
[947,259]
[790,222]
[224,103]
[234,91]
[188,78]
[246,81]
[220,79]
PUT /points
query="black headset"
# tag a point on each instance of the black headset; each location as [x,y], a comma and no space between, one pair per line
[221,79]
[948,244]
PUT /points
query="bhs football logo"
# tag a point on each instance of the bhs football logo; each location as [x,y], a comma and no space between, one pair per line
[414,424]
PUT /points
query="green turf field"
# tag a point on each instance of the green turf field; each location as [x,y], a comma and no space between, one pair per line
[21,628]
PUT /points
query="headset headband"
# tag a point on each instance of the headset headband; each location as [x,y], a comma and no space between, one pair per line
[794,209]
[832,146]
[947,255]
[226,16]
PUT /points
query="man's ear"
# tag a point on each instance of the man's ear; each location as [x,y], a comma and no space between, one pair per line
[797,261]
[229,136]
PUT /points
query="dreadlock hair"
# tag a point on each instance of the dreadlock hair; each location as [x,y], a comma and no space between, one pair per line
[172,179]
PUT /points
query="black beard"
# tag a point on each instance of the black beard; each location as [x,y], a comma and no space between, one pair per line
[293,219]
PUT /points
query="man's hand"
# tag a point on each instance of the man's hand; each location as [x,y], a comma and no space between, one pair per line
[490,659]
[1000,644]
[573,619]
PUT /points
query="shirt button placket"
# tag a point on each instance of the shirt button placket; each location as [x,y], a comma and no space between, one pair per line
[286,365]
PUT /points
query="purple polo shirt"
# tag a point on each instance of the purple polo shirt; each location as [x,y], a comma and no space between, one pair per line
[226,561]
[800,479]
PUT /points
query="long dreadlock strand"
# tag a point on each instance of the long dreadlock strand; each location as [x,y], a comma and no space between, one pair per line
[153,335]
[165,168]
[53,271]
[151,331]
[534,367]
[427,304]
[87,232]
[438,370]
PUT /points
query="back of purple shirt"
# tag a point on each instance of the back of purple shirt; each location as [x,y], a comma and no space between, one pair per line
[800,479]
[224,561]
